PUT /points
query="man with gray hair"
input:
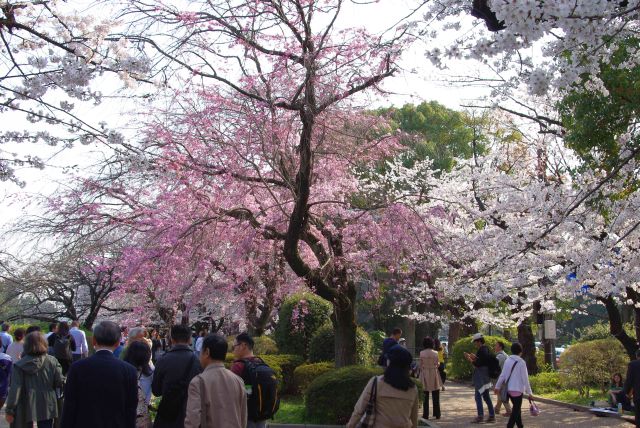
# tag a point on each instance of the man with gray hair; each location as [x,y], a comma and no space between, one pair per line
[101,391]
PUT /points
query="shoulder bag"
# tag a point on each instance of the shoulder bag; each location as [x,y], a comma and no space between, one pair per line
[368,418]
[504,388]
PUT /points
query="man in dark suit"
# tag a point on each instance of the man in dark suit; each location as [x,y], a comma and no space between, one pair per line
[632,382]
[175,369]
[101,391]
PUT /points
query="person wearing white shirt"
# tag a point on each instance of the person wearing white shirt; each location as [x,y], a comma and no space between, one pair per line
[515,374]
[82,348]
[197,347]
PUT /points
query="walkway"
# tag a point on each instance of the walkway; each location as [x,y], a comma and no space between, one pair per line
[459,408]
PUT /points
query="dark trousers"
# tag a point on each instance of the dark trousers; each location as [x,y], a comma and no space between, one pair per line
[436,404]
[636,405]
[77,357]
[516,412]
[487,399]
[443,374]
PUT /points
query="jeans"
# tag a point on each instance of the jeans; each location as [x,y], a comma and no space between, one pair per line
[499,404]
[258,424]
[436,404]
[77,357]
[487,399]
[516,412]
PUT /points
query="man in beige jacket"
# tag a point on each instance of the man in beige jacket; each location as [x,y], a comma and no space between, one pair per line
[217,398]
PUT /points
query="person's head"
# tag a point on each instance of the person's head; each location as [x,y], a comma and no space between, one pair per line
[135,334]
[18,334]
[214,350]
[478,340]
[499,347]
[32,328]
[63,328]
[53,327]
[516,348]
[180,334]
[5,327]
[243,346]
[396,333]
[35,344]
[397,372]
[437,345]
[427,343]
[203,333]
[616,379]
[75,323]
[139,355]
[106,334]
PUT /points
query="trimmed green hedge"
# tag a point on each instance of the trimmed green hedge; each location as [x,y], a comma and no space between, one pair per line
[307,373]
[322,347]
[284,367]
[265,345]
[545,383]
[300,316]
[331,397]
[587,365]
[461,369]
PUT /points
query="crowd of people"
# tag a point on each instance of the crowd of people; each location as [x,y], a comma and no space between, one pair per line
[391,399]
[51,381]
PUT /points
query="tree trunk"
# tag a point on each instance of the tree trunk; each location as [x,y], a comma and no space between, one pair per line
[344,323]
[616,327]
[454,333]
[527,340]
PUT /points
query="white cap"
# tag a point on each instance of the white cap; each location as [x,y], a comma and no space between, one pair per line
[476,336]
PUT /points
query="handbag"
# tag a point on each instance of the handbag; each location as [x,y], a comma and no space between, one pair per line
[533,408]
[368,418]
[504,388]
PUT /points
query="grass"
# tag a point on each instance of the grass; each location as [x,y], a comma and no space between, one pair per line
[572,396]
[292,411]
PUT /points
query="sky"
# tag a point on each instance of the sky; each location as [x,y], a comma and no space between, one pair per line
[415,82]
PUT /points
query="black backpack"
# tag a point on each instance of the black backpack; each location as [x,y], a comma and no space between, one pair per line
[263,401]
[494,367]
[173,399]
[62,348]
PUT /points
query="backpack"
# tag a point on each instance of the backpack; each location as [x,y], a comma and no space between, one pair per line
[261,384]
[174,398]
[62,348]
[494,366]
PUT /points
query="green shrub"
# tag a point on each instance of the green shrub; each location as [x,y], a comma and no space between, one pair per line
[300,316]
[265,346]
[377,337]
[586,365]
[283,365]
[545,383]
[542,365]
[322,347]
[331,397]
[461,369]
[306,373]
[600,330]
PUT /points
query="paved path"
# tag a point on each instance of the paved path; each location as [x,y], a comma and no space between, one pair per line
[458,409]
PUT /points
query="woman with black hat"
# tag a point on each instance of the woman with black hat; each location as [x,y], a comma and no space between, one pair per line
[394,396]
